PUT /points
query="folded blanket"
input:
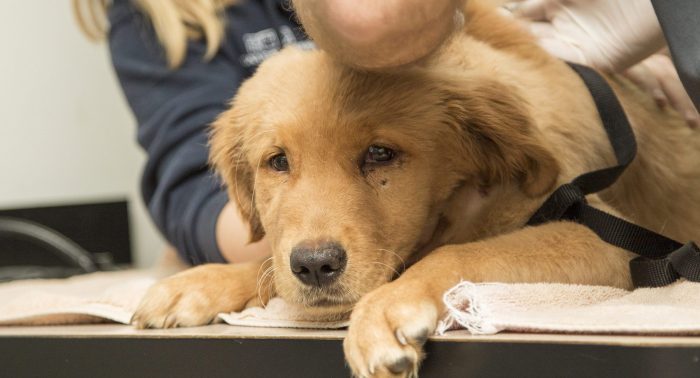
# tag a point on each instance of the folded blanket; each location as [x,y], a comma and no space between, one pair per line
[279,314]
[114,296]
[489,308]
[480,308]
[90,298]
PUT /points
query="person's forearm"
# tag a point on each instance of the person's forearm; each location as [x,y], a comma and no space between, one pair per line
[378,34]
[232,236]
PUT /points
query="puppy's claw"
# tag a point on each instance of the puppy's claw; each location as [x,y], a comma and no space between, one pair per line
[386,334]
[401,337]
[401,365]
[422,336]
[169,321]
[188,298]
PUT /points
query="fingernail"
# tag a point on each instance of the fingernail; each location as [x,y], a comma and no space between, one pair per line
[692,119]
[659,97]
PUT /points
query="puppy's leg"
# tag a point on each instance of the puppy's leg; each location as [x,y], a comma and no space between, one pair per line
[389,325]
[194,297]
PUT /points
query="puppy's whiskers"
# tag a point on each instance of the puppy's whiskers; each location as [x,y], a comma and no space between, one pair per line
[391,268]
[398,257]
[270,287]
[349,290]
[267,275]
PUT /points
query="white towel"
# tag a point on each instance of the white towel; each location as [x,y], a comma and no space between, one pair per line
[488,308]
[90,298]
[480,308]
[114,296]
[279,314]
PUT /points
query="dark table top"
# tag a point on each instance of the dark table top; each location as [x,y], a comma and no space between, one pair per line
[228,351]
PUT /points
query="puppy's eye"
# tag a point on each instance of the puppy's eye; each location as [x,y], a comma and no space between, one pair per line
[279,163]
[379,154]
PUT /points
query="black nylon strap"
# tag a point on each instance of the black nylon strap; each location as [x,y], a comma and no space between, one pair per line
[662,260]
[625,234]
[616,126]
[684,262]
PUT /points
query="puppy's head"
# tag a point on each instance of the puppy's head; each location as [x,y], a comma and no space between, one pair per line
[347,173]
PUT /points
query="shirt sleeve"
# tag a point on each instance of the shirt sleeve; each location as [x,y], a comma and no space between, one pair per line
[173,109]
[680,25]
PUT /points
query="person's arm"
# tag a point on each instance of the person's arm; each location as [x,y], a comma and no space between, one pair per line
[679,22]
[173,109]
[232,235]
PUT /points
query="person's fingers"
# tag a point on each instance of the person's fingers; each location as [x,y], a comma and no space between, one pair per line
[693,120]
[681,102]
[535,10]
[644,78]
[657,76]
[664,70]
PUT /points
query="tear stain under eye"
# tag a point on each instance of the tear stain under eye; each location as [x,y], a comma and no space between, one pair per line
[483,191]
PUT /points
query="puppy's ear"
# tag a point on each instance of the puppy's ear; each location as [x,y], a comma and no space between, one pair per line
[228,157]
[499,136]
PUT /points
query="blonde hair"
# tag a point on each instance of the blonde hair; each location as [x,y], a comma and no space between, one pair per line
[175,22]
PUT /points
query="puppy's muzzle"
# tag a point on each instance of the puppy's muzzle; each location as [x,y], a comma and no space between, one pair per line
[318,263]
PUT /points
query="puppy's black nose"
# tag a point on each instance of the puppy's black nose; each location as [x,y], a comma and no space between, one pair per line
[318,263]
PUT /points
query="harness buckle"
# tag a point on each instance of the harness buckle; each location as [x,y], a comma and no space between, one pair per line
[558,204]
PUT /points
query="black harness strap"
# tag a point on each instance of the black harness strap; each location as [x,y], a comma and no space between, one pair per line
[661,260]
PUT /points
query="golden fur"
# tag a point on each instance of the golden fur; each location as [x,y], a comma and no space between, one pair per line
[487,127]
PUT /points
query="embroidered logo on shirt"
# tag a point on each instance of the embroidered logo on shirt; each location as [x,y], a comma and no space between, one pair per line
[262,44]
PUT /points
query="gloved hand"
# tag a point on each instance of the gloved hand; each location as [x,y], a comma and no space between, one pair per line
[657,75]
[610,35]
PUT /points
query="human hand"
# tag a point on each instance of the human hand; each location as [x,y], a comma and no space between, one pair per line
[658,76]
[611,35]
[378,34]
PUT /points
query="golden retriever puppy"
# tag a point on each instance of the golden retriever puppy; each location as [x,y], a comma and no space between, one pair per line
[379,191]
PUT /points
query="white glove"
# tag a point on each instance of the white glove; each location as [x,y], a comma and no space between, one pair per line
[610,35]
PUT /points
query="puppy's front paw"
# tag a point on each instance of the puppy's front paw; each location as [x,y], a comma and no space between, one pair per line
[387,331]
[194,297]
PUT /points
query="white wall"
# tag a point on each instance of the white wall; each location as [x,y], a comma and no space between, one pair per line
[66,134]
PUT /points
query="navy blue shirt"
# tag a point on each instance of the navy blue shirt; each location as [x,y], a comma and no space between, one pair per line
[174,107]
